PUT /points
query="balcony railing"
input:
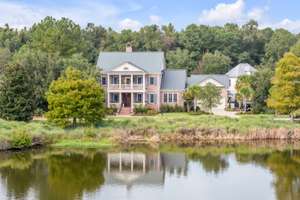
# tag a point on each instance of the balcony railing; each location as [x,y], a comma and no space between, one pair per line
[126,87]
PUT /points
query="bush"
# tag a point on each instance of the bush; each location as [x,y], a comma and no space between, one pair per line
[143,110]
[111,111]
[169,108]
[21,139]
[296,114]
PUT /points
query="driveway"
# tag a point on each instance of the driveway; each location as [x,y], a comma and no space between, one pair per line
[222,112]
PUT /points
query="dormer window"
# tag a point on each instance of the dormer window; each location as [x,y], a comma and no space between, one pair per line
[125,68]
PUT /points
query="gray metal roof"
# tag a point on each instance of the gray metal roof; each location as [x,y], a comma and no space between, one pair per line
[174,79]
[153,62]
[240,70]
[195,79]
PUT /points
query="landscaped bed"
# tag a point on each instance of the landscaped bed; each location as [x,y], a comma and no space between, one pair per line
[165,128]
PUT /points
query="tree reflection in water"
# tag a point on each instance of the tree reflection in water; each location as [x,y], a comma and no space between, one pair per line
[68,175]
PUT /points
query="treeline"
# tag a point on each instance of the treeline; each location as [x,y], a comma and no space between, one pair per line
[38,55]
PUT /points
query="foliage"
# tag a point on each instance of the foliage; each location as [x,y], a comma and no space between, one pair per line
[111,110]
[295,49]
[210,96]
[144,110]
[179,58]
[20,139]
[170,108]
[245,91]
[74,97]
[261,83]
[191,95]
[285,90]
[16,94]
[215,63]
[280,43]
[5,56]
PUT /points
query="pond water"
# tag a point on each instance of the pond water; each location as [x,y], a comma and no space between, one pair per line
[210,173]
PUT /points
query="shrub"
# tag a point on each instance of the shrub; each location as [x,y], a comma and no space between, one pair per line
[143,110]
[111,111]
[21,139]
[296,114]
[169,108]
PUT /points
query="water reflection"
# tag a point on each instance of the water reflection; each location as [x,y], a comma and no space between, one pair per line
[141,169]
[71,175]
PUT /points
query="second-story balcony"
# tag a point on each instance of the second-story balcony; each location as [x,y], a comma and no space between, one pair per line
[126,82]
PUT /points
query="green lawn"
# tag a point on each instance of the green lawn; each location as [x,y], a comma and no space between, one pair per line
[166,123]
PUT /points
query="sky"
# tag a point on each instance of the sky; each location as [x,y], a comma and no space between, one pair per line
[133,14]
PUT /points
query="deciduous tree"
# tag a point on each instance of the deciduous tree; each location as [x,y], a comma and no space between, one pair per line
[285,90]
[74,98]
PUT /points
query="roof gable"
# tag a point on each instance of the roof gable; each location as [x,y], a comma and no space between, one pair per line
[127,67]
[202,79]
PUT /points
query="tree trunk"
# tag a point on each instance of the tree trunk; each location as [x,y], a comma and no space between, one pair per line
[74,122]
[195,105]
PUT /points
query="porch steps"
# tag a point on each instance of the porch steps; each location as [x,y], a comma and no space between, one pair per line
[125,111]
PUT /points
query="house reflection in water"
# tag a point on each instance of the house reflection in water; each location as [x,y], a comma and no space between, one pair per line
[142,169]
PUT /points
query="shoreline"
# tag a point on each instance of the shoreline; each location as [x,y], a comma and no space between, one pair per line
[184,136]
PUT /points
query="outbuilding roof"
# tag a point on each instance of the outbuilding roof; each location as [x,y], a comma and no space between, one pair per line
[240,70]
[152,62]
[174,79]
[199,78]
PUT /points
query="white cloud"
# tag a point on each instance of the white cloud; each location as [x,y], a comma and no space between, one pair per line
[155,19]
[257,14]
[291,25]
[130,24]
[19,15]
[223,13]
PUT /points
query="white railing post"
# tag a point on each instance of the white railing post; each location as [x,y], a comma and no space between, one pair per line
[120,80]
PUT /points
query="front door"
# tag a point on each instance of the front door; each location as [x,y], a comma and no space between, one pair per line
[126,99]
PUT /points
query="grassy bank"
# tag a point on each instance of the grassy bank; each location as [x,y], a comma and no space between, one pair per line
[101,136]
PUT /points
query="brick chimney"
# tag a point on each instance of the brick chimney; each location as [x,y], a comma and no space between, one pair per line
[128,48]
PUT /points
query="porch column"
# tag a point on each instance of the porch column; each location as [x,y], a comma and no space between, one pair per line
[108,99]
[144,89]
[120,80]
[131,82]
[131,101]
[108,80]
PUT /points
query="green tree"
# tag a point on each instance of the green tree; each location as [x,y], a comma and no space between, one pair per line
[191,95]
[285,91]
[5,56]
[244,90]
[296,49]
[280,43]
[179,59]
[63,37]
[74,97]
[215,63]
[210,96]
[261,83]
[16,94]
[43,69]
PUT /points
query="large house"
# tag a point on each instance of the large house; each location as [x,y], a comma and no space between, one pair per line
[141,78]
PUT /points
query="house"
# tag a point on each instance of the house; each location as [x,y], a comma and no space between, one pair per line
[140,78]
[233,74]
[133,79]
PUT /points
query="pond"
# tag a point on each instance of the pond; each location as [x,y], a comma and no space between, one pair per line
[211,172]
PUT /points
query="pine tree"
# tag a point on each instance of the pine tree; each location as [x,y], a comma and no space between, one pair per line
[16,94]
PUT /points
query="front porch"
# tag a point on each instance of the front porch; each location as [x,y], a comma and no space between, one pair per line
[125,102]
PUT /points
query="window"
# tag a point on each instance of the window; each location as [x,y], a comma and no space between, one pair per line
[103,81]
[152,80]
[137,80]
[170,97]
[115,80]
[114,97]
[166,98]
[138,97]
[152,98]
[175,98]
